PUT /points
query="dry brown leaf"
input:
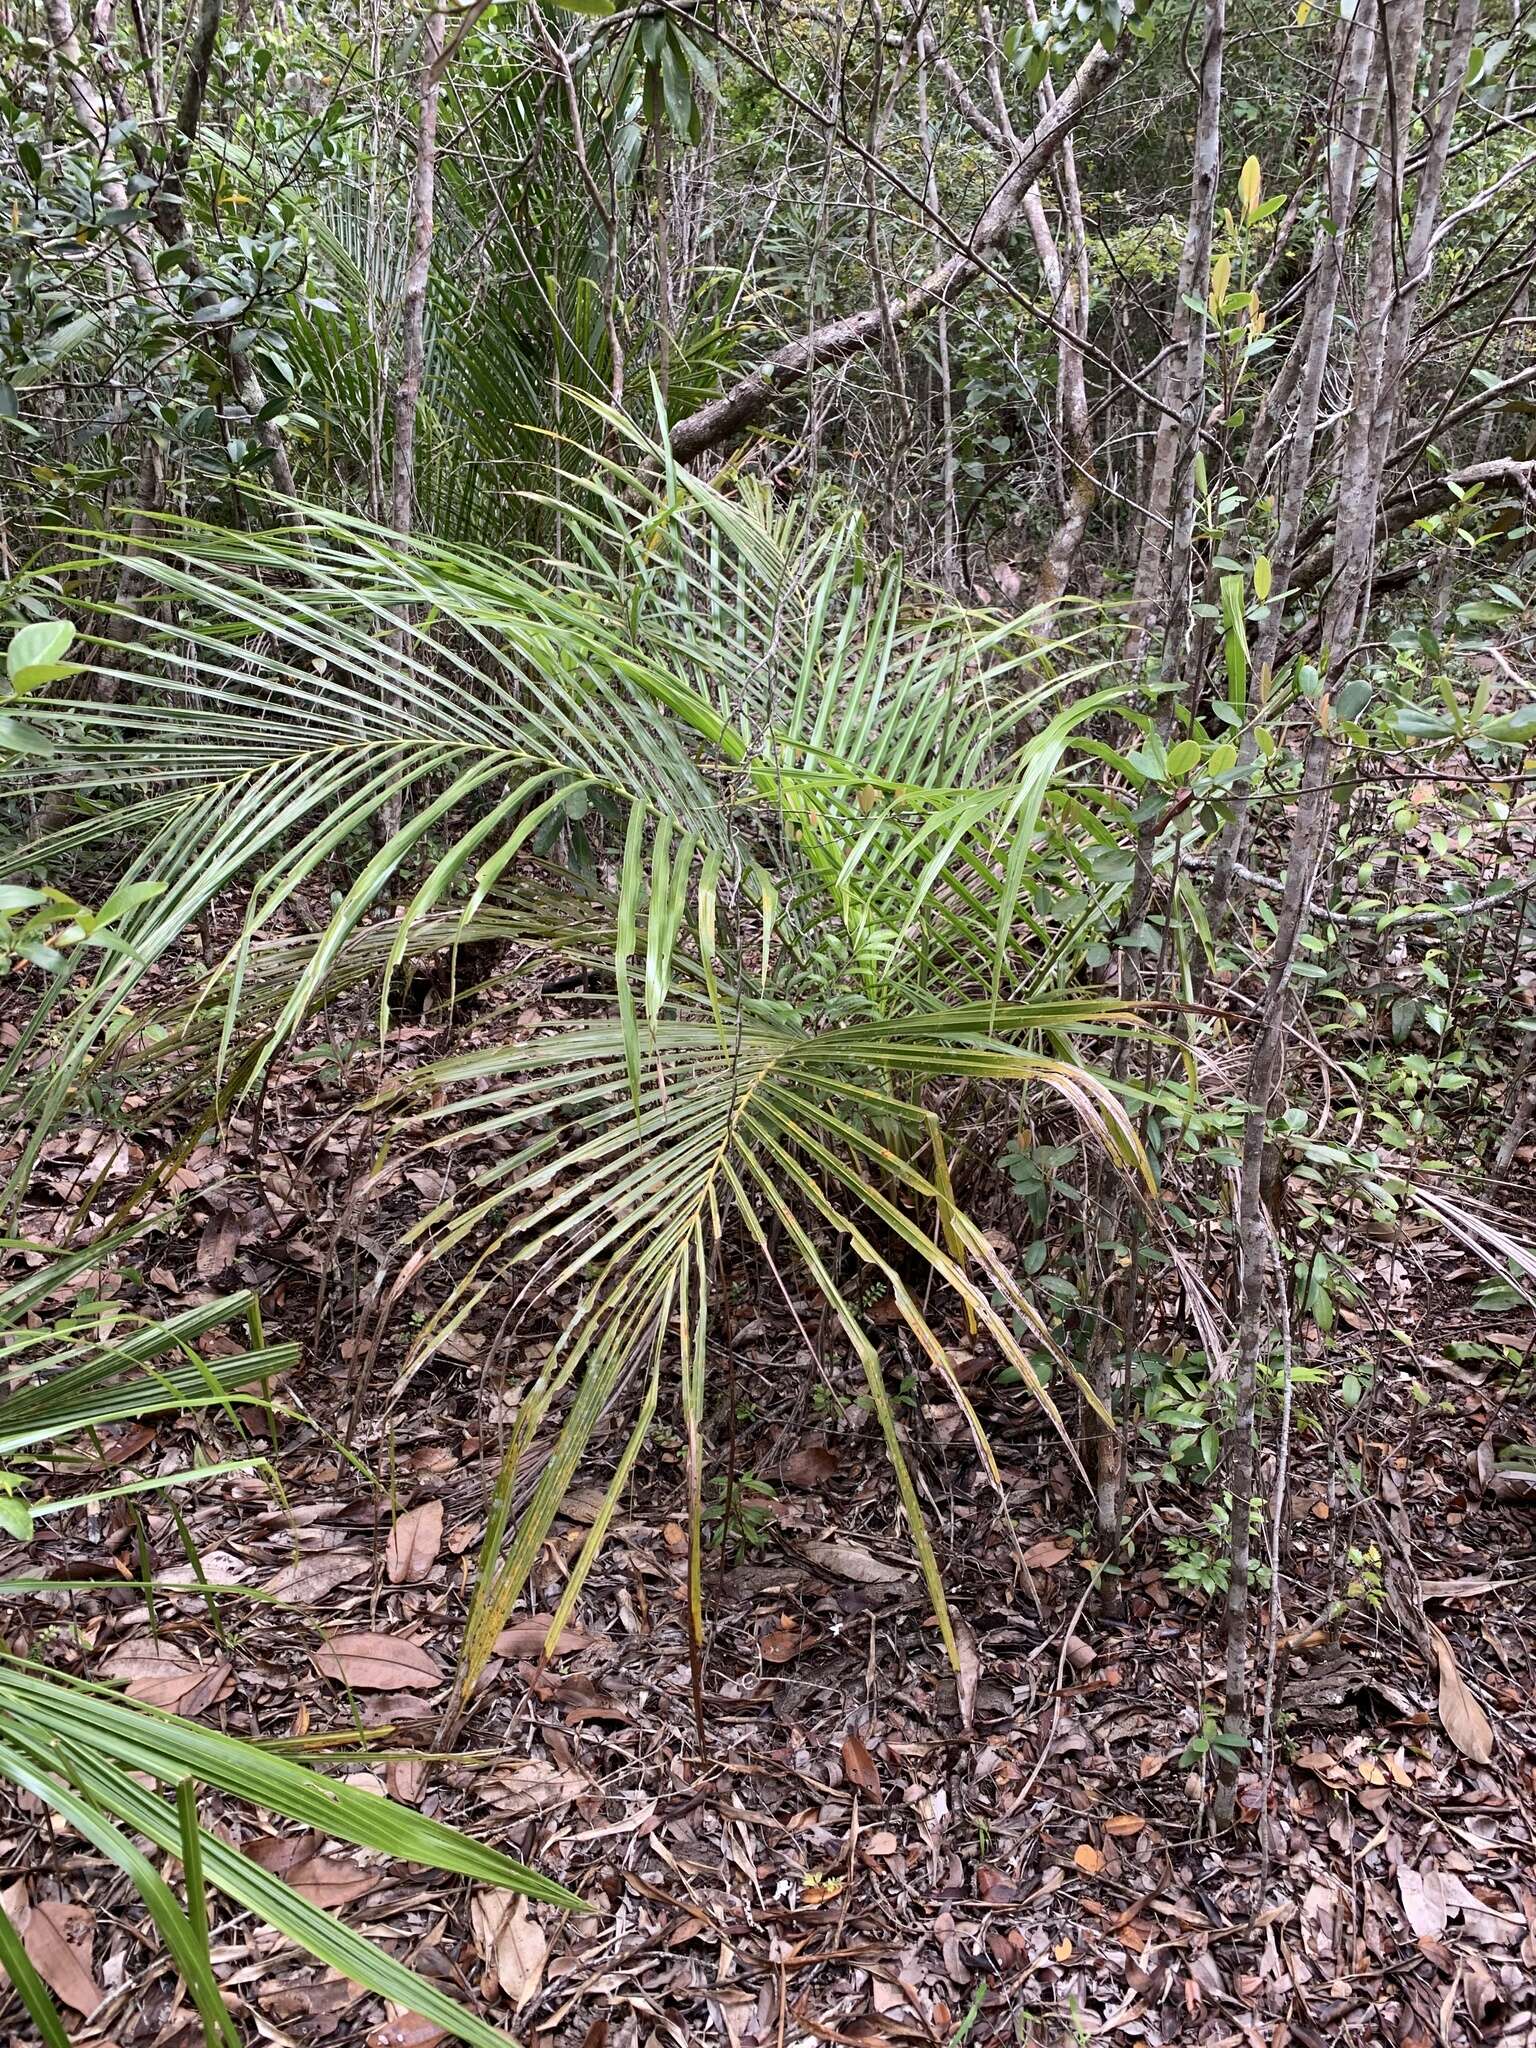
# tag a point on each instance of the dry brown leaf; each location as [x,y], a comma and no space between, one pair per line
[405,1780]
[327,1881]
[1467,1588]
[583,1504]
[406,2032]
[968,1675]
[309,1579]
[848,1561]
[811,1466]
[1460,1715]
[779,1645]
[533,1785]
[1086,1857]
[414,1542]
[1424,1901]
[165,1677]
[221,1239]
[859,1767]
[1047,1553]
[525,1638]
[377,1663]
[511,1944]
[321,2003]
[1149,1766]
[735,2010]
[1124,1825]
[57,1939]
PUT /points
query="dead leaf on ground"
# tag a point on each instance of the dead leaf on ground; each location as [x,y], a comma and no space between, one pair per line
[414,1542]
[161,1676]
[859,1767]
[811,1466]
[309,1579]
[511,1943]
[320,2003]
[406,2032]
[781,1644]
[327,1881]
[406,1780]
[221,1239]
[849,1561]
[583,1504]
[1424,1901]
[525,1638]
[377,1663]
[1086,1857]
[57,1939]
[1047,1553]
[968,1675]
[1460,1715]
[1460,1589]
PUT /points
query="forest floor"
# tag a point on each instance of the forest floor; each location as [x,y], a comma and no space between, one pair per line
[860,1849]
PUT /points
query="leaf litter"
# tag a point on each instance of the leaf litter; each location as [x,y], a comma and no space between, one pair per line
[870,1848]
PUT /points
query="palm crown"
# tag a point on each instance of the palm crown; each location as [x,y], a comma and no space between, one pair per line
[847,847]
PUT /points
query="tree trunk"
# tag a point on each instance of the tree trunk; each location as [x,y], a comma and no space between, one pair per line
[1356,105]
[418,274]
[413,330]
[1169,501]
[1379,365]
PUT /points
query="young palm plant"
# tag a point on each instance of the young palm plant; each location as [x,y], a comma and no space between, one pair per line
[85,1752]
[852,843]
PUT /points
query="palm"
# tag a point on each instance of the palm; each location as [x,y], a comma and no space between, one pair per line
[854,855]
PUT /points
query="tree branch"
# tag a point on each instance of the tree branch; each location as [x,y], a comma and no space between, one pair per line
[837,340]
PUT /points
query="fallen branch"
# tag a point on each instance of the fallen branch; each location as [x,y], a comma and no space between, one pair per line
[837,340]
[1502,477]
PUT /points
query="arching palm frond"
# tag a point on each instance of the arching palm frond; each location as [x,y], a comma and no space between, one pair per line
[86,1752]
[856,847]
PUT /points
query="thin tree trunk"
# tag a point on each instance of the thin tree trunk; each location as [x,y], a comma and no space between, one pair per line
[1375,408]
[418,274]
[1379,364]
[1190,388]
[1170,493]
[1069,288]
[1353,126]
[413,334]
[1264,1068]
[167,213]
[949,544]
[1356,502]
[1066,279]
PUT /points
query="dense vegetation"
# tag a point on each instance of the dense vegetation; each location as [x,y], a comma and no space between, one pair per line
[859,671]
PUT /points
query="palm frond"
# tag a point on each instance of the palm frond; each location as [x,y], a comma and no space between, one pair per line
[857,844]
[84,1751]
